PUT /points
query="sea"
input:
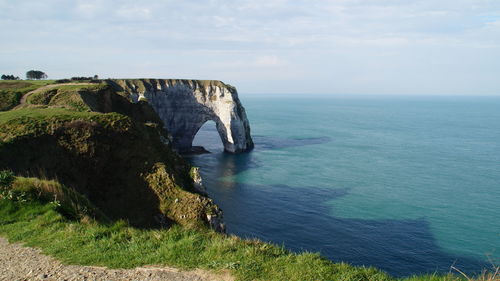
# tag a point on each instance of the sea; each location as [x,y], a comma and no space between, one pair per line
[407,184]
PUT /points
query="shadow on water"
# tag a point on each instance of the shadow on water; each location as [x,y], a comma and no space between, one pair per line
[283,215]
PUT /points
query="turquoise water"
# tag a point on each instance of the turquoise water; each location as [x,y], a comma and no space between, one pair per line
[406,184]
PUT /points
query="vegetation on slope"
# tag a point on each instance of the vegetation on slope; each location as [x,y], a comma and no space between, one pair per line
[65,200]
[72,96]
[93,97]
[117,245]
[11,91]
[139,180]
[113,152]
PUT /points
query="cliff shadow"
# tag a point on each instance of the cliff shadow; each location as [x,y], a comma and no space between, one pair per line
[111,179]
[283,215]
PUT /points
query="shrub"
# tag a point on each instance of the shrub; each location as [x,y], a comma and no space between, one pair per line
[36,74]
[9,77]
[6,178]
[81,78]
[65,200]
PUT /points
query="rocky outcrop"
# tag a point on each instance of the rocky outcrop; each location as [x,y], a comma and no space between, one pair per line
[185,105]
[216,218]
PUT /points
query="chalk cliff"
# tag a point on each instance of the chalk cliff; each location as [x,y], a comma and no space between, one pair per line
[185,105]
[115,153]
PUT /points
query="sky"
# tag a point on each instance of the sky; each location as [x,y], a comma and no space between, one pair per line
[397,47]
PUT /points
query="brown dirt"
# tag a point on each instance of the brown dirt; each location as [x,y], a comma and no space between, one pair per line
[22,263]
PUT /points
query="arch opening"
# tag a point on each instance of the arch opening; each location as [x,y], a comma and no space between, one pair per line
[208,138]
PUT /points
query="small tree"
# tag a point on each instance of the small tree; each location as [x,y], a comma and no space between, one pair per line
[96,77]
[36,74]
[9,77]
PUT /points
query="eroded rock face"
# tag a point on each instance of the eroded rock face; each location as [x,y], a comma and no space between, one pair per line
[185,105]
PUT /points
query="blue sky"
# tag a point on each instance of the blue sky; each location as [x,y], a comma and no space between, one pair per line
[263,46]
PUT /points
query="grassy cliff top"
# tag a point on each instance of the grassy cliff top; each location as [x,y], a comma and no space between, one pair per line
[37,121]
[141,85]
[43,113]
[50,92]
[18,84]
[168,81]
[11,91]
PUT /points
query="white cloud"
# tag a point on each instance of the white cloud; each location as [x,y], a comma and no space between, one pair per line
[268,61]
[134,13]
[87,9]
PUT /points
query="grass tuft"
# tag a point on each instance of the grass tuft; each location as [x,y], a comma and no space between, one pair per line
[66,201]
[486,275]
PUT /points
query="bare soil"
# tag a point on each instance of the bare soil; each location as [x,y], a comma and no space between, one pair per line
[18,262]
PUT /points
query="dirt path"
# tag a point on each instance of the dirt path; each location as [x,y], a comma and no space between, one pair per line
[46,87]
[22,263]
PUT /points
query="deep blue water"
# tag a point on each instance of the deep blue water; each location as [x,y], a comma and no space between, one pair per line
[406,184]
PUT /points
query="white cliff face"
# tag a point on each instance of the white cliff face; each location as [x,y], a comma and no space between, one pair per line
[185,105]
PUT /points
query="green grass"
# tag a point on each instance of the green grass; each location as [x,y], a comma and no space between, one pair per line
[42,112]
[15,84]
[95,86]
[120,246]
[70,96]
[66,200]
[11,91]
[40,224]
[36,121]
[45,116]
[40,82]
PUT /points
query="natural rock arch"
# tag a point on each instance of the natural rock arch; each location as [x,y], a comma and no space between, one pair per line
[208,138]
[185,105]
